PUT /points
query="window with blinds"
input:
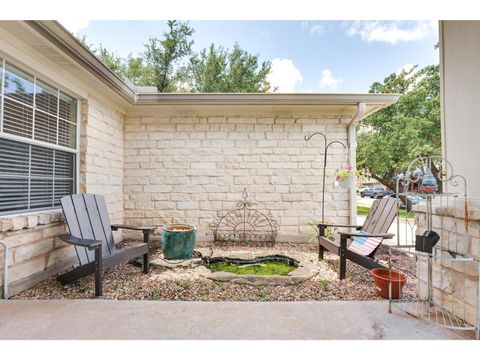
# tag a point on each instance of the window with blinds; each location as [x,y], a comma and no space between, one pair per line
[38,125]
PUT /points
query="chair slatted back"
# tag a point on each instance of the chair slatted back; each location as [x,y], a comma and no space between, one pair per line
[381,216]
[87,218]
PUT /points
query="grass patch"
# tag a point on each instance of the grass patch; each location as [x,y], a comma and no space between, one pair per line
[364,210]
[270,267]
[325,283]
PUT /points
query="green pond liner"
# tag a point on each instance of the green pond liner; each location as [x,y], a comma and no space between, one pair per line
[266,266]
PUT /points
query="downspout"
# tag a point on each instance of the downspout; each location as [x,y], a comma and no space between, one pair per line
[5,269]
[352,156]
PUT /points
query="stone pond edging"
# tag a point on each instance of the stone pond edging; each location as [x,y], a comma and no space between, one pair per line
[306,267]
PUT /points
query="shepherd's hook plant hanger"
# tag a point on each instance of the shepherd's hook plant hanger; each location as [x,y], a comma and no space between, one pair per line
[325,152]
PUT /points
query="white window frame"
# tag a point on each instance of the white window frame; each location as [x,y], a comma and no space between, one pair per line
[32,141]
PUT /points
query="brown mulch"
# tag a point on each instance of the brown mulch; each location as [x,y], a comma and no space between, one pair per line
[127,282]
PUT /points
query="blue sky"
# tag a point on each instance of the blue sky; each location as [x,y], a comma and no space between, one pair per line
[307,56]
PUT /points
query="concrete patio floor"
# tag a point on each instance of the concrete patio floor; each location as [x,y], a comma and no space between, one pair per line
[106,319]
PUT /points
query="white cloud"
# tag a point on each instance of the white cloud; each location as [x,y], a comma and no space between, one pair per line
[316,29]
[312,28]
[328,81]
[411,70]
[304,25]
[391,32]
[407,68]
[265,34]
[284,75]
[75,25]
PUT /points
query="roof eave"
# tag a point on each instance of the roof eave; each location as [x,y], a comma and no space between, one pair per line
[59,36]
[265,99]
[54,32]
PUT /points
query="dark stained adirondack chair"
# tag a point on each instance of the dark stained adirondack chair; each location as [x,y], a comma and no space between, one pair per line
[91,234]
[365,241]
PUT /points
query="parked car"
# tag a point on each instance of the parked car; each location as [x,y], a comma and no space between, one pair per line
[414,199]
[375,193]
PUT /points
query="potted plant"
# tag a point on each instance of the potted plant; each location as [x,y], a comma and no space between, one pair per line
[178,241]
[345,177]
[313,224]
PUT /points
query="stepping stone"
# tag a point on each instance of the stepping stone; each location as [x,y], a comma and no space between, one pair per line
[172,264]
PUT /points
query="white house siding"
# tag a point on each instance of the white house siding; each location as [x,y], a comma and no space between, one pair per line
[460,74]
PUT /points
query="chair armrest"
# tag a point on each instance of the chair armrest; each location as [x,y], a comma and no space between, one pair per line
[381,235]
[358,227]
[132,227]
[90,244]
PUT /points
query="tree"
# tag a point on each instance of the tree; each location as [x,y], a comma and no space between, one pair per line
[392,137]
[133,68]
[221,70]
[163,55]
[169,64]
[139,72]
[113,61]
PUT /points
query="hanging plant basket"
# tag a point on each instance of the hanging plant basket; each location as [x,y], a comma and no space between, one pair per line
[345,177]
[348,182]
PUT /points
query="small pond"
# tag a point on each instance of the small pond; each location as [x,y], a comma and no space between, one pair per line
[266,266]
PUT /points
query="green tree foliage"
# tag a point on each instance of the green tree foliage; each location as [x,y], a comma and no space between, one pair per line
[164,54]
[221,70]
[169,64]
[113,61]
[133,68]
[139,72]
[392,137]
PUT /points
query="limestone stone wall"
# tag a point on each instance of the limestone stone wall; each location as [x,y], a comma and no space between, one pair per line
[101,154]
[454,283]
[33,247]
[35,251]
[185,169]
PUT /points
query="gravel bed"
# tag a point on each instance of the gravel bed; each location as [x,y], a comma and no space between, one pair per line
[127,282]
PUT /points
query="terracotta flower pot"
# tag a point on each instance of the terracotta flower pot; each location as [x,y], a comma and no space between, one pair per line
[382,279]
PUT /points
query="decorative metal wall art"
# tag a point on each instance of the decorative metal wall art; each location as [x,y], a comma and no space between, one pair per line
[245,225]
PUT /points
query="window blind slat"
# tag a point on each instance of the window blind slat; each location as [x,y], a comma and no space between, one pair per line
[49,181]
[45,127]
[67,107]
[13,200]
[35,176]
[66,134]
[17,118]
[13,158]
[62,188]
[46,98]
[42,162]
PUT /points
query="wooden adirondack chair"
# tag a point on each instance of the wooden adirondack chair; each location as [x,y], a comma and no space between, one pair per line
[91,234]
[365,243]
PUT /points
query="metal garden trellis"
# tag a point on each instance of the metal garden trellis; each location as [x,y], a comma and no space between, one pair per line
[325,152]
[245,225]
[438,298]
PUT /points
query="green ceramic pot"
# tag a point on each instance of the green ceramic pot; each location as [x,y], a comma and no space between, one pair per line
[178,241]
